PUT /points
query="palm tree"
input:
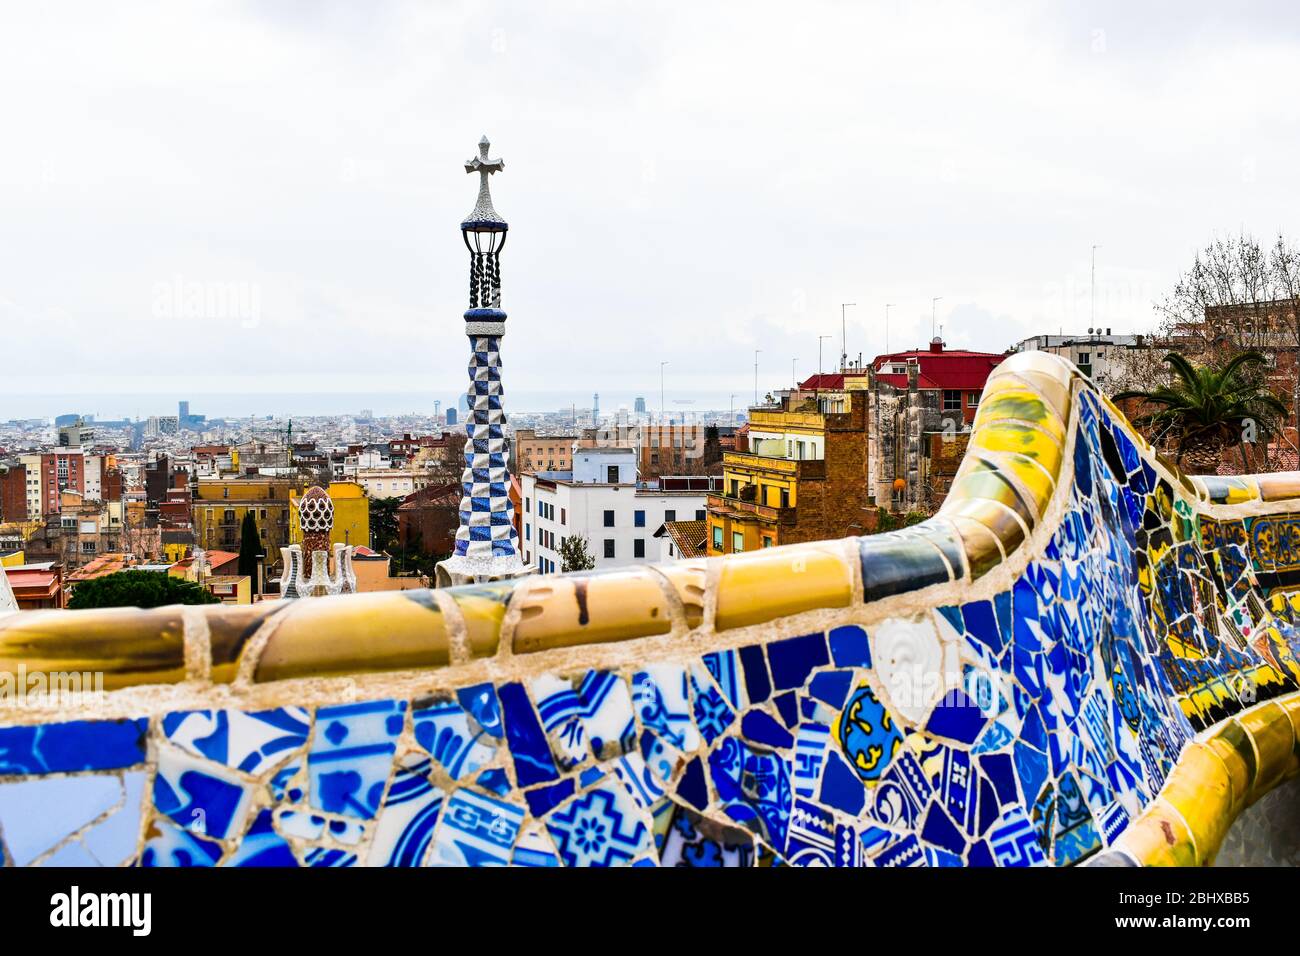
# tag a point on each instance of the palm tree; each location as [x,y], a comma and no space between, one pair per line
[1207,408]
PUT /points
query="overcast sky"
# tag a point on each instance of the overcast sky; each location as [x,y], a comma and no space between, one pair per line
[685,182]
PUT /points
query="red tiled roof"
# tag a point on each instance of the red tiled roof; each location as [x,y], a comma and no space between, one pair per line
[956,369]
[825,382]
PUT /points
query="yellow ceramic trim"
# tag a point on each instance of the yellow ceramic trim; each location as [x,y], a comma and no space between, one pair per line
[1226,769]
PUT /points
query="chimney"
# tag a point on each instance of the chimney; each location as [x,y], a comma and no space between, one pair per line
[936,344]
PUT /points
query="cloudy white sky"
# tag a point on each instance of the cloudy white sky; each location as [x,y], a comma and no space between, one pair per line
[685,182]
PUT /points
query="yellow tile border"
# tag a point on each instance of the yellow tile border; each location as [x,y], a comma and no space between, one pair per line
[1224,770]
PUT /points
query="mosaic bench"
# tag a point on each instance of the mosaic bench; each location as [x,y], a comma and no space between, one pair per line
[1084,657]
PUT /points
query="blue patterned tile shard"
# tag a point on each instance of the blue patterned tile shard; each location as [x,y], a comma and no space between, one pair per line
[459,743]
[200,796]
[528,745]
[476,831]
[262,846]
[603,827]
[351,755]
[607,714]
[249,742]
[406,821]
[72,746]
[662,702]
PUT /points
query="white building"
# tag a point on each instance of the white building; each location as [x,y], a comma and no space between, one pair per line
[602,501]
[389,482]
[1092,352]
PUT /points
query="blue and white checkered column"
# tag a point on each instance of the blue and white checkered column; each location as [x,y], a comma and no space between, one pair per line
[487,527]
[487,547]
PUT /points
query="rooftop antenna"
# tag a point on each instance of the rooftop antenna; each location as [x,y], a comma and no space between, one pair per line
[933,302]
[756,354]
[844,342]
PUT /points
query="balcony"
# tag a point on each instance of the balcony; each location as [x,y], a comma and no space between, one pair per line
[739,508]
[779,419]
[799,467]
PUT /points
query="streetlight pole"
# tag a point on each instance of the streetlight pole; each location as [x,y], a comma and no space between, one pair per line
[1092,290]
[794,371]
[933,303]
[844,338]
[820,340]
[661,391]
[756,353]
[888,306]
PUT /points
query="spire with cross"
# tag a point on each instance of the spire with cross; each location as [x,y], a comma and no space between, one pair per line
[487,545]
[484,214]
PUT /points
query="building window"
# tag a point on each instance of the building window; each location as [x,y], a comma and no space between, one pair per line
[528,532]
[611,474]
[528,505]
[717,537]
[638,548]
[972,399]
[638,518]
[564,516]
[699,515]
[609,547]
[767,541]
[737,541]
[951,400]
[670,515]
[785,497]
[609,519]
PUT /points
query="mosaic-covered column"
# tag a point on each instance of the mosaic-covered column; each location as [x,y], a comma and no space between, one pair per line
[487,547]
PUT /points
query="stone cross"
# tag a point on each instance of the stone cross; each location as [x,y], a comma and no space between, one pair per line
[483,211]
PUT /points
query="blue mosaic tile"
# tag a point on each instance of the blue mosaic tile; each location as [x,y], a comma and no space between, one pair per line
[262,846]
[351,755]
[662,701]
[480,702]
[607,714]
[73,746]
[476,830]
[757,726]
[758,685]
[35,815]
[453,738]
[170,846]
[850,647]
[753,787]
[602,827]
[541,800]
[794,658]
[404,829]
[528,744]
[249,742]
[712,715]
[867,734]
[201,797]
[694,789]
[726,670]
